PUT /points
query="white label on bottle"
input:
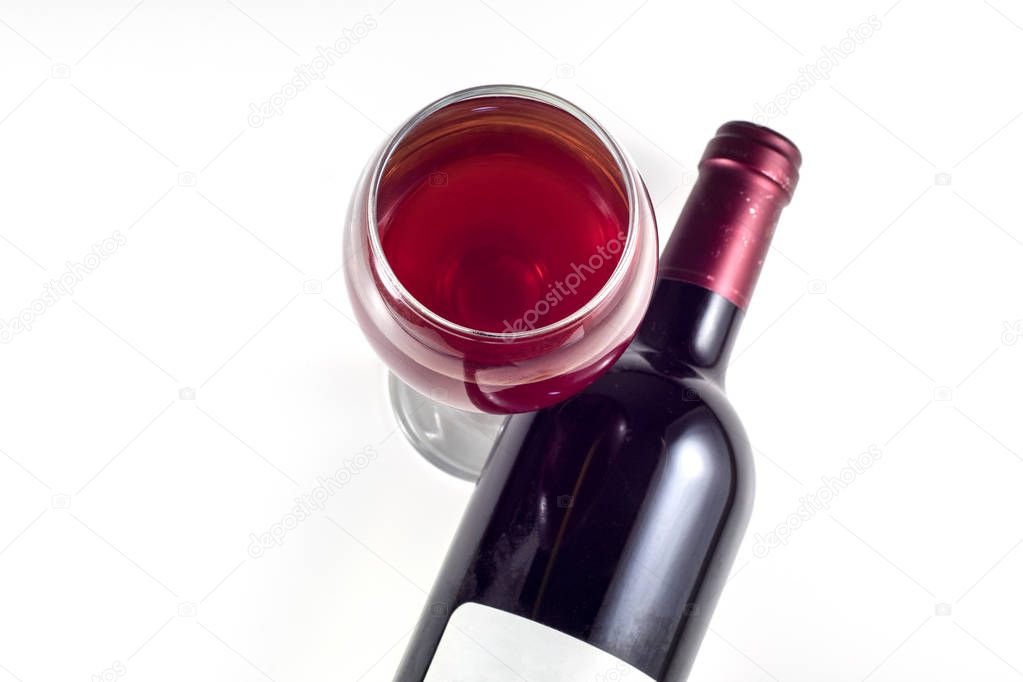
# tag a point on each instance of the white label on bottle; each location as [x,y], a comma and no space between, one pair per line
[483,644]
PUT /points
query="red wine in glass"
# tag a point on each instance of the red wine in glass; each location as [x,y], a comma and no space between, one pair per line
[500,252]
[503,230]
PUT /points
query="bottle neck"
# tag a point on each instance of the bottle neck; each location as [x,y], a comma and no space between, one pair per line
[711,263]
[690,325]
[724,232]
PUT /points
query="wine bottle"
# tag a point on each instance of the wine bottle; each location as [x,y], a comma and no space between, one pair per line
[602,529]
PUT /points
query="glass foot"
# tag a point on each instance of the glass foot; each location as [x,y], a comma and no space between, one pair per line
[455,441]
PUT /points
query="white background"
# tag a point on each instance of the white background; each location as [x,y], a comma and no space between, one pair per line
[888,315]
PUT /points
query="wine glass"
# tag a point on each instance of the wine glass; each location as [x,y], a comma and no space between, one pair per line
[501,251]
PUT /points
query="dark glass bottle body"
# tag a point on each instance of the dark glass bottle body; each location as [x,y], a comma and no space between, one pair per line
[625,544]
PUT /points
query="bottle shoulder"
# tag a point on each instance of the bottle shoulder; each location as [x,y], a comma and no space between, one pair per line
[677,385]
[659,404]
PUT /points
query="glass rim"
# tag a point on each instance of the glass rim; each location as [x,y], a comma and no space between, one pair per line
[625,167]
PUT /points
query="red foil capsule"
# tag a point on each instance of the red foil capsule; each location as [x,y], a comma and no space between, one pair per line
[747,176]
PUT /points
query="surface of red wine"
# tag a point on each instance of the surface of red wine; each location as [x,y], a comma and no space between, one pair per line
[503,229]
[502,251]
